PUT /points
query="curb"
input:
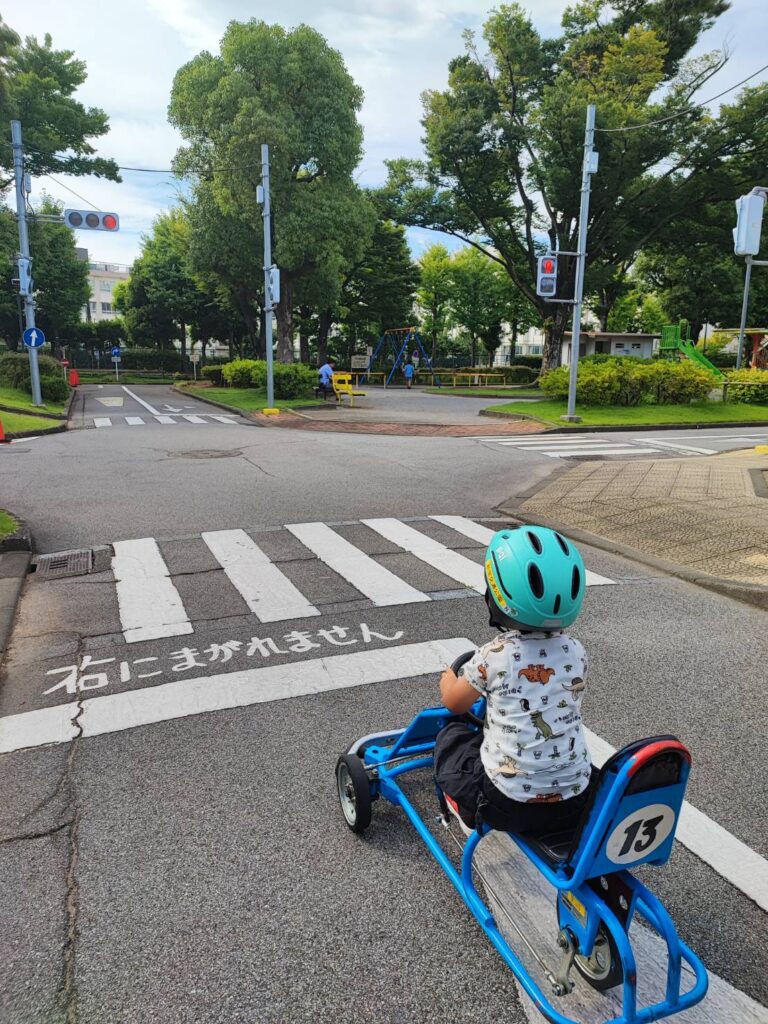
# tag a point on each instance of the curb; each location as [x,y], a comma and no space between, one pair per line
[622,428]
[246,413]
[15,556]
[749,593]
[21,434]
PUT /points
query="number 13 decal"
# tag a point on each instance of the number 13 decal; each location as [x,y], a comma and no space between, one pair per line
[640,833]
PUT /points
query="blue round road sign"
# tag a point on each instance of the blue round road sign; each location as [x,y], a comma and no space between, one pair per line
[33,337]
[116,350]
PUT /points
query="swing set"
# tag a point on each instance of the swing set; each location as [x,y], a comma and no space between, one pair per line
[398,341]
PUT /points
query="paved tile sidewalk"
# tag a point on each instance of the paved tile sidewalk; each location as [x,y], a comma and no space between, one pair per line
[702,514]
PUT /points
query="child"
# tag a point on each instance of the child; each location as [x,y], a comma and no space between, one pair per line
[408,370]
[529,769]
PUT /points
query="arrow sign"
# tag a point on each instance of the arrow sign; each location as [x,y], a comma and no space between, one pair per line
[33,337]
[171,408]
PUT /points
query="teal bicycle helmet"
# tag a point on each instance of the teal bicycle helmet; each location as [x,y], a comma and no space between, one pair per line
[535,579]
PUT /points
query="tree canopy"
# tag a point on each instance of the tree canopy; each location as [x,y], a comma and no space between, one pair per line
[256,91]
[504,140]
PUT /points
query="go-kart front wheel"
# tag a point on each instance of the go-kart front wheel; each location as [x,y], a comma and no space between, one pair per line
[354,792]
[602,969]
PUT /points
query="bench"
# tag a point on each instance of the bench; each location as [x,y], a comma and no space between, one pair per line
[342,385]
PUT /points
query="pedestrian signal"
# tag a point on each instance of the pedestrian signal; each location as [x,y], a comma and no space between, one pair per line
[546,277]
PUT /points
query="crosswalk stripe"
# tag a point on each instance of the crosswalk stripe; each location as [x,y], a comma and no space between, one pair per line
[149,604]
[134,421]
[482,534]
[570,453]
[165,419]
[194,419]
[364,573]
[448,562]
[677,447]
[222,419]
[535,442]
[102,421]
[268,593]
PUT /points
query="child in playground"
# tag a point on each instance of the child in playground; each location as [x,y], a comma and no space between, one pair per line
[528,770]
[408,372]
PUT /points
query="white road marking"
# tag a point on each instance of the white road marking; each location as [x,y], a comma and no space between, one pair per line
[102,421]
[193,419]
[357,568]
[572,453]
[164,419]
[141,401]
[448,562]
[266,591]
[117,402]
[132,708]
[677,447]
[475,531]
[729,857]
[149,604]
[554,439]
[222,419]
[134,421]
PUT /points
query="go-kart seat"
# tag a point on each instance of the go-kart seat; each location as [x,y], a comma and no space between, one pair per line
[557,848]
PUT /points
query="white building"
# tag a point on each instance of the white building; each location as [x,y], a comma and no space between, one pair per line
[102,278]
[612,343]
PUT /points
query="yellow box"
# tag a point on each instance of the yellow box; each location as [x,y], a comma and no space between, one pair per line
[761,449]
[271,412]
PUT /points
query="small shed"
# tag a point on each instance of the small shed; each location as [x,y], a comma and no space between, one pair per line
[611,343]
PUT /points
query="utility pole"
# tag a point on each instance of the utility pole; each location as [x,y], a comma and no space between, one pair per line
[746,242]
[268,307]
[24,261]
[589,167]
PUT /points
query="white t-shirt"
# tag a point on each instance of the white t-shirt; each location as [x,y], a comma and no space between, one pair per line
[534,749]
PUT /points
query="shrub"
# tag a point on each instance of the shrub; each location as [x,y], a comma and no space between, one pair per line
[293,380]
[213,374]
[14,370]
[628,381]
[534,362]
[237,374]
[54,389]
[748,386]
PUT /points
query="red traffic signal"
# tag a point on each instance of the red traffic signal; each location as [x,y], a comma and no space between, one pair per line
[91,220]
[548,266]
[546,276]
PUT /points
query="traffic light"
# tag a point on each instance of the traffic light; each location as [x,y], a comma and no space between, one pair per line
[91,220]
[749,219]
[546,276]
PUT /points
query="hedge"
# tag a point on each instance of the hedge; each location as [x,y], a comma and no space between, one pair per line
[291,380]
[516,374]
[748,386]
[631,382]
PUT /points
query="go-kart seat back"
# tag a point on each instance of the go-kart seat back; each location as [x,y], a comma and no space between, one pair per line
[631,816]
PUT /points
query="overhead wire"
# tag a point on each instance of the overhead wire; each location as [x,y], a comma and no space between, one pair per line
[682,113]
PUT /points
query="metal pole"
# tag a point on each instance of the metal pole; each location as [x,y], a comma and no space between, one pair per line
[25,274]
[744,311]
[267,265]
[581,259]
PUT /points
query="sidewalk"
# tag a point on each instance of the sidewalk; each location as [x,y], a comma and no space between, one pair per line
[702,519]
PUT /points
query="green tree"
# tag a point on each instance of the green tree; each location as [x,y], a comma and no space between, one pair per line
[479,299]
[37,87]
[434,295]
[256,91]
[504,140]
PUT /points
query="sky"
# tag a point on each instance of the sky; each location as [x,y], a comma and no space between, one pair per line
[394,49]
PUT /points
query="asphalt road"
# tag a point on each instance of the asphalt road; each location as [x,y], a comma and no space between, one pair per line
[196,868]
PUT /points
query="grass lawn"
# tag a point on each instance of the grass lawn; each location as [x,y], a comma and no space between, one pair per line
[248,399]
[7,525]
[16,399]
[15,422]
[510,392]
[639,415]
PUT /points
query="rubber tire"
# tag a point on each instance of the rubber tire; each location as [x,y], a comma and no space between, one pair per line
[361,791]
[615,975]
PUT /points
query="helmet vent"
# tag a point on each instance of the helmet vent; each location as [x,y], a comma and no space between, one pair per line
[561,541]
[556,605]
[536,581]
[575,583]
[535,542]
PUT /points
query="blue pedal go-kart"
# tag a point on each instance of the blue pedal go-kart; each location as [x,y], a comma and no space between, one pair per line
[630,820]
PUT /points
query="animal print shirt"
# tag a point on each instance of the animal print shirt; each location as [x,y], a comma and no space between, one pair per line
[534,748]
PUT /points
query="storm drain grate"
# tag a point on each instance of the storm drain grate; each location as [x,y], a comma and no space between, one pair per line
[65,563]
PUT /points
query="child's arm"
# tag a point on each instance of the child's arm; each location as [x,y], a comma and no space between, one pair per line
[456,693]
